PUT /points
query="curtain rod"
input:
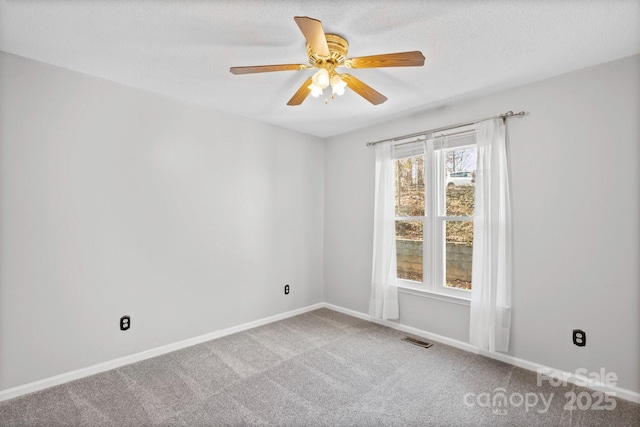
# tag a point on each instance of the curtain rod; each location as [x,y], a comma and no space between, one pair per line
[504,116]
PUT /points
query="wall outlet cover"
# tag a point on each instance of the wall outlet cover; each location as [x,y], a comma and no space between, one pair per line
[125,323]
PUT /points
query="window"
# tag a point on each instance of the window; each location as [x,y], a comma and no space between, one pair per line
[434,208]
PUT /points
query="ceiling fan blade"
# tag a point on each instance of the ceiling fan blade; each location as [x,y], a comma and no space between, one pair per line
[267,68]
[364,90]
[302,93]
[313,32]
[399,59]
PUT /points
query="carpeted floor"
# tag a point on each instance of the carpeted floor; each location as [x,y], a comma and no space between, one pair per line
[322,368]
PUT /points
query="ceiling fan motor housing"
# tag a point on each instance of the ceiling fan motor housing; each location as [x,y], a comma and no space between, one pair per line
[338,48]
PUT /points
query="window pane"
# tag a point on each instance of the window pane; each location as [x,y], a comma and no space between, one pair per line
[459,167]
[409,250]
[459,244]
[410,186]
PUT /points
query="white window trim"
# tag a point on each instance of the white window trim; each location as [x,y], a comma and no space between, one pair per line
[433,233]
[409,287]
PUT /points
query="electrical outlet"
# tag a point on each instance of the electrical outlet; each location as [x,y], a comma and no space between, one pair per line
[125,323]
[286,289]
[579,338]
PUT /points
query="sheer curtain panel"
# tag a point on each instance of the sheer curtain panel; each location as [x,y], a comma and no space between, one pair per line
[491,271]
[384,292]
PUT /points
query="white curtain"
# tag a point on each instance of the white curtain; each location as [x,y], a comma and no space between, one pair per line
[384,291]
[491,271]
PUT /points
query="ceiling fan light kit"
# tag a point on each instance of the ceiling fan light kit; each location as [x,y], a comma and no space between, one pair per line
[326,52]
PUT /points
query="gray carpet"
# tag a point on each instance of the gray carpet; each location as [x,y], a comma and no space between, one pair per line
[322,368]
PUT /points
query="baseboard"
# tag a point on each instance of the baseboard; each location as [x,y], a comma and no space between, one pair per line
[521,363]
[116,363]
[147,354]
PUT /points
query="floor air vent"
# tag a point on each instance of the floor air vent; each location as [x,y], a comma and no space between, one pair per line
[417,342]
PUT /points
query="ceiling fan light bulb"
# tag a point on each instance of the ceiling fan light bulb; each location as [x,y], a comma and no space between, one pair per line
[337,84]
[316,90]
[321,78]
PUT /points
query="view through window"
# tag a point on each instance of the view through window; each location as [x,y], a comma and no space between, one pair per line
[435,187]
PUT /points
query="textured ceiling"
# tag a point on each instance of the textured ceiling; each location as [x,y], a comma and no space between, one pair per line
[183,49]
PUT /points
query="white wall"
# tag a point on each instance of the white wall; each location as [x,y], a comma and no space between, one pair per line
[116,201]
[576,187]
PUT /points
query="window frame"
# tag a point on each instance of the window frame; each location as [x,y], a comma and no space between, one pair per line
[434,219]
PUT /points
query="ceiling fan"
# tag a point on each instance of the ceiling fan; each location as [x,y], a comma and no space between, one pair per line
[326,52]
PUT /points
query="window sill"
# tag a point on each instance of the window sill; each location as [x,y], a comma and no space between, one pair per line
[411,290]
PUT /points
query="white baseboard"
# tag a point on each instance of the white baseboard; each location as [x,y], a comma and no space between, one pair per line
[116,363]
[147,354]
[521,363]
